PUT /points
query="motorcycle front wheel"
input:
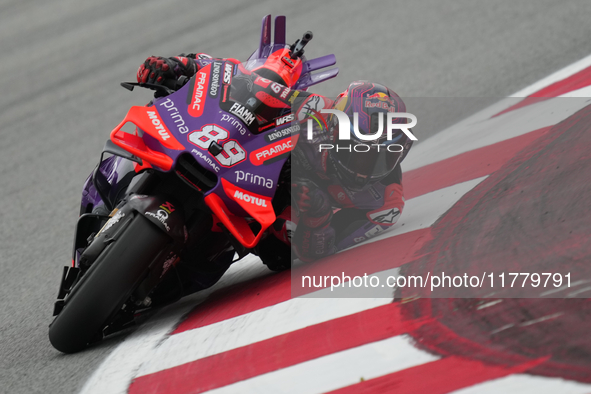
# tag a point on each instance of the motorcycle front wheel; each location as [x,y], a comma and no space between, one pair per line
[107,285]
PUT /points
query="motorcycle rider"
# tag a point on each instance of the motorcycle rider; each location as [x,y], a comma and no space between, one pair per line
[365,186]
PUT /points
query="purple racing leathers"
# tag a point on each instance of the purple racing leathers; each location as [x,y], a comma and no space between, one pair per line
[334,211]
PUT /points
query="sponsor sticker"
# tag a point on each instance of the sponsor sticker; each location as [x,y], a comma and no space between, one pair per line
[255,179]
[176,117]
[168,207]
[235,123]
[258,205]
[295,94]
[285,93]
[242,113]
[158,124]
[207,159]
[271,151]
[161,216]
[284,119]
[258,201]
[278,134]
[114,219]
[228,71]
[214,81]
[198,99]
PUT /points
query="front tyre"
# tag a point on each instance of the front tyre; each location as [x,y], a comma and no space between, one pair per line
[107,285]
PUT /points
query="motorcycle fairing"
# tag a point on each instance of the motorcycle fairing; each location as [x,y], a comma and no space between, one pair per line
[258,207]
[173,124]
[148,120]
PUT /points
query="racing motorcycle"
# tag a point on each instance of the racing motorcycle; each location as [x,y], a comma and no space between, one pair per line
[200,176]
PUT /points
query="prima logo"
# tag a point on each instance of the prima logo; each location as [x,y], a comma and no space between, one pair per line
[345,131]
[178,120]
[235,123]
[254,179]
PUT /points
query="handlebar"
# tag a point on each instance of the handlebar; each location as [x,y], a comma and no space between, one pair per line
[169,87]
[297,49]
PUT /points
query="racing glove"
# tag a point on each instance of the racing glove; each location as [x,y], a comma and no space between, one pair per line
[311,201]
[312,244]
[314,237]
[162,70]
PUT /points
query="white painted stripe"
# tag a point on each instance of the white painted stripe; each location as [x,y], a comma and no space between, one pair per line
[466,137]
[116,372]
[422,211]
[336,370]
[485,114]
[583,92]
[527,384]
[426,210]
[555,77]
[253,327]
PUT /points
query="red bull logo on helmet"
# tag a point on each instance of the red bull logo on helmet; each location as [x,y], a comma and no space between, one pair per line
[380,96]
[380,100]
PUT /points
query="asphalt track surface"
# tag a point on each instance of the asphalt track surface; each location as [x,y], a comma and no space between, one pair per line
[59,71]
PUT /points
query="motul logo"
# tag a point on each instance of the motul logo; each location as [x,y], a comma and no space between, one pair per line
[158,125]
[261,202]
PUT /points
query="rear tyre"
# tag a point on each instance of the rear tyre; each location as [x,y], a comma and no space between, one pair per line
[107,285]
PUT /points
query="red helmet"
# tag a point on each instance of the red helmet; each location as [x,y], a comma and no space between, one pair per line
[361,163]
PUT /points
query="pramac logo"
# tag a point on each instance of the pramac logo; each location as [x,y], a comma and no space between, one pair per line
[271,151]
[199,93]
